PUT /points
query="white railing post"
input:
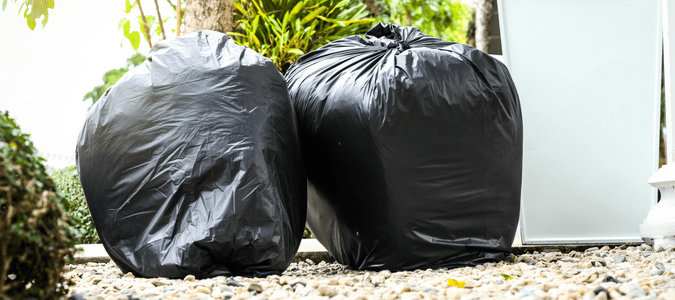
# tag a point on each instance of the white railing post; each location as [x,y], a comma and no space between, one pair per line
[659,226]
[668,48]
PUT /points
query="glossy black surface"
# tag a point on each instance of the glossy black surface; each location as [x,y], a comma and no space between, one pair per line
[414,147]
[191,163]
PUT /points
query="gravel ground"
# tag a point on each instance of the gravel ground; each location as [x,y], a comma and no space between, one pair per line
[606,273]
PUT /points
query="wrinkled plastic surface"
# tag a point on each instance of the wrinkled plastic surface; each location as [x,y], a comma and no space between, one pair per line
[413,146]
[191,163]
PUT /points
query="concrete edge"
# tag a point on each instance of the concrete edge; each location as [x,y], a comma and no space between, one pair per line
[313,250]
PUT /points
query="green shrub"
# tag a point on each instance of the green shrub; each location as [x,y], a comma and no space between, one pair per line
[35,238]
[68,184]
[283,30]
[444,19]
[307,234]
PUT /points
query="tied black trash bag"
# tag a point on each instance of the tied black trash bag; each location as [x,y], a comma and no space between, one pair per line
[413,150]
[191,163]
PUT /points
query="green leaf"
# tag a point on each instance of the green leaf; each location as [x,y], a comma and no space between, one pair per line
[127,27]
[4,4]
[121,23]
[134,38]
[38,8]
[236,5]
[31,23]
[127,6]
[296,51]
[44,20]
[313,15]
[506,277]
[296,9]
[50,4]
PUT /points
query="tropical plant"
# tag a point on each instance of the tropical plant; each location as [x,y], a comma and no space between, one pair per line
[68,184]
[33,11]
[112,76]
[36,241]
[283,30]
[444,19]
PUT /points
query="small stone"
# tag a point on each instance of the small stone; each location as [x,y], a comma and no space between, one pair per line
[347,281]
[326,290]
[310,262]
[524,293]
[76,297]
[632,289]
[366,278]
[646,247]
[129,275]
[232,282]
[411,296]
[599,290]
[378,279]
[601,296]
[669,294]
[469,297]
[610,278]
[400,289]
[660,266]
[656,272]
[189,278]
[148,293]
[357,296]
[620,259]
[254,287]
[279,294]
[297,281]
[308,291]
[227,295]
[158,282]
[385,273]
[599,263]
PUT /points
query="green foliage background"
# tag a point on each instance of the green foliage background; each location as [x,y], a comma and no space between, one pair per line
[284,30]
[444,19]
[68,185]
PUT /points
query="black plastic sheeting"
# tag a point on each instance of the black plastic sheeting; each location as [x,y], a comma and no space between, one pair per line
[191,163]
[413,146]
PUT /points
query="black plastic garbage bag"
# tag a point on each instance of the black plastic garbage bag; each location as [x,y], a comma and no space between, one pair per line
[191,163]
[413,146]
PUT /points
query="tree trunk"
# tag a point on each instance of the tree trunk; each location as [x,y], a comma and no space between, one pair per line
[208,14]
[371,5]
[483,16]
[471,30]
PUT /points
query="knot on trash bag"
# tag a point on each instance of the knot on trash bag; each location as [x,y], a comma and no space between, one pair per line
[388,36]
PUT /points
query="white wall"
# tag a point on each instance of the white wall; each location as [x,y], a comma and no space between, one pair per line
[588,76]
